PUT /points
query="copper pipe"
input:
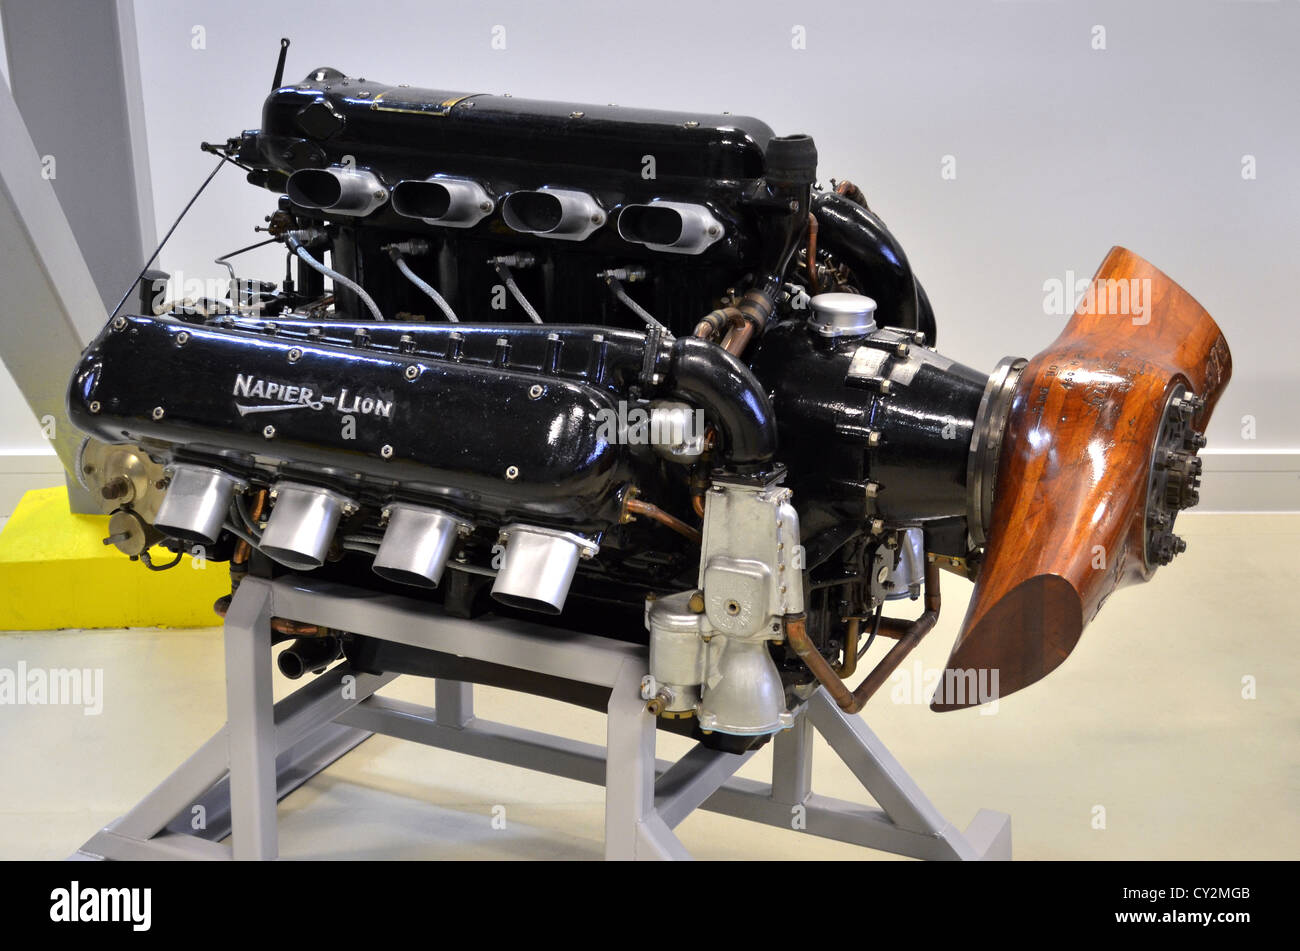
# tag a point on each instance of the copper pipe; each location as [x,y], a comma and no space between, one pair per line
[242,548]
[812,253]
[757,308]
[737,339]
[852,192]
[713,323]
[699,481]
[890,627]
[850,663]
[280,625]
[894,627]
[851,701]
[638,507]
[796,635]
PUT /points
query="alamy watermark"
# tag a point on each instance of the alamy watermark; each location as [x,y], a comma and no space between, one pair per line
[201,295]
[972,686]
[78,903]
[665,425]
[1117,298]
[54,686]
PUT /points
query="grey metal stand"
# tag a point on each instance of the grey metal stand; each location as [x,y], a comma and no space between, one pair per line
[75,231]
[229,788]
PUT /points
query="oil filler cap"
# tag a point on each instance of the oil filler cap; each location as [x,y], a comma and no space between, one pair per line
[842,315]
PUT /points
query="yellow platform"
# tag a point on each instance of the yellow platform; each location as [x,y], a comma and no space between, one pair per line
[56,572]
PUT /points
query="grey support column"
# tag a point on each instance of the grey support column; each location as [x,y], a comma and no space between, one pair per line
[76,203]
[51,304]
[75,74]
[250,722]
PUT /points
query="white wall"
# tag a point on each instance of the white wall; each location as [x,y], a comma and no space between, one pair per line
[1061,150]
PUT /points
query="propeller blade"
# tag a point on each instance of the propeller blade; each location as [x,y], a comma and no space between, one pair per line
[1097,456]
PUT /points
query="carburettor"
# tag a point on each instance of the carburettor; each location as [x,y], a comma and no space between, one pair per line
[709,647]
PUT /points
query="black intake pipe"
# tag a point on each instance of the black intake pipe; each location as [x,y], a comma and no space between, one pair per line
[704,374]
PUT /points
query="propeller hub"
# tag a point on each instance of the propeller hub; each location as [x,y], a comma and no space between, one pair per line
[1175,479]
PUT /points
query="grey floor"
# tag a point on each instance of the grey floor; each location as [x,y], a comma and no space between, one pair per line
[1144,731]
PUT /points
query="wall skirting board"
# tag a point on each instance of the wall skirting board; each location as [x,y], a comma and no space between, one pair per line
[22,472]
[1235,480]
[1250,480]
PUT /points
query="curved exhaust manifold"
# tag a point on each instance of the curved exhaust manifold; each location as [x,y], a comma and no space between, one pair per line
[338,189]
[553,213]
[443,200]
[673,226]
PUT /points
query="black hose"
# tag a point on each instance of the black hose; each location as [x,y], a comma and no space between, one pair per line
[875,629]
[925,321]
[307,654]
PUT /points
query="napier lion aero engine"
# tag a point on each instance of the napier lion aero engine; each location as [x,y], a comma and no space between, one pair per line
[637,374]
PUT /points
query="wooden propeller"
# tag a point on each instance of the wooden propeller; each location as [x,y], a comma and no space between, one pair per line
[1070,504]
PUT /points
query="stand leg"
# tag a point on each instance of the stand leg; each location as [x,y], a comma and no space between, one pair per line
[250,716]
[898,794]
[633,830]
[453,703]
[629,765]
[792,761]
[875,767]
